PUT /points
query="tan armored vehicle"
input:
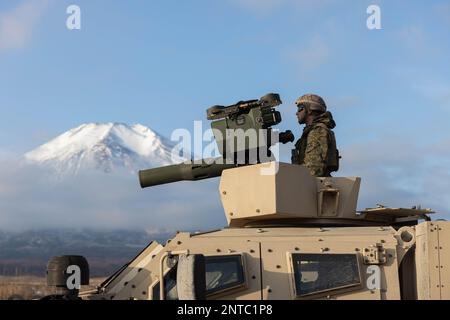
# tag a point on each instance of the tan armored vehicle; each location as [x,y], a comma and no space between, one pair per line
[289,236]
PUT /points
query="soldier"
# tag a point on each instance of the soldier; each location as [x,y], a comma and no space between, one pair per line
[316,149]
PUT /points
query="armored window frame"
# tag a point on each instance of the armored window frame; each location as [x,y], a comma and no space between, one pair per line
[171,274]
[240,272]
[355,284]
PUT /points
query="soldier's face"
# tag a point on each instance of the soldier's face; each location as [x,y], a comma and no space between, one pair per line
[301,115]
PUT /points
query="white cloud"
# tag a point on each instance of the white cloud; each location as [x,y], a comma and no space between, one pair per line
[396,171]
[432,84]
[30,200]
[17,24]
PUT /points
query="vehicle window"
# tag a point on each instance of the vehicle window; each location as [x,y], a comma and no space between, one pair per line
[170,286]
[315,273]
[223,272]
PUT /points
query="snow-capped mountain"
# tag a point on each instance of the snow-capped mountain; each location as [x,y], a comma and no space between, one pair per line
[105,147]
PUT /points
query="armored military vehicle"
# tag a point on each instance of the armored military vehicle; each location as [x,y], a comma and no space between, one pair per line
[289,236]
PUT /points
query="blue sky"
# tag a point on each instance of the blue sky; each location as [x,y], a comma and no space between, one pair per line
[162,63]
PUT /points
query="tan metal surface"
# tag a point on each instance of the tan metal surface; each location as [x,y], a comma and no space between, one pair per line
[433,260]
[427,261]
[268,252]
[248,194]
[278,274]
[444,258]
[218,247]
[350,232]
[132,273]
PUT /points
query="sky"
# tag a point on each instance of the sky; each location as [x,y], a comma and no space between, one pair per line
[163,63]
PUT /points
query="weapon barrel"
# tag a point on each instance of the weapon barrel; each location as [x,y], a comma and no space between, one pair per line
[181,172]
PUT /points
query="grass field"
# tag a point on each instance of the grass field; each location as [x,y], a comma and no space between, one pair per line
[26,288]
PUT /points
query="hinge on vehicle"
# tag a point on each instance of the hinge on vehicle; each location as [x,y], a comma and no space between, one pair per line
[374,254]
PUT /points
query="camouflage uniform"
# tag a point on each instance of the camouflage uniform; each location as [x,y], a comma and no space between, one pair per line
[316,145]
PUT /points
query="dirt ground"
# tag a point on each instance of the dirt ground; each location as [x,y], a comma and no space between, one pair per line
[27,288]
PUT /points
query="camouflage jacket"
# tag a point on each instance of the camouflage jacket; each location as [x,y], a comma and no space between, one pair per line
[313,149]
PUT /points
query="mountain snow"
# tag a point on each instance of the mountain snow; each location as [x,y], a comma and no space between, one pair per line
[105,147]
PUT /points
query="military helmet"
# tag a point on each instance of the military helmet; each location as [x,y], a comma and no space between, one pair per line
[313,102]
